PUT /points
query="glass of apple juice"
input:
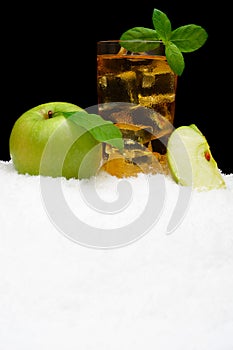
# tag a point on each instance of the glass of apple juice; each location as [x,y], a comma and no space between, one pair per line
[136,91]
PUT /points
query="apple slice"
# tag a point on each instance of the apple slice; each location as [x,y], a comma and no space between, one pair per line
[190,160]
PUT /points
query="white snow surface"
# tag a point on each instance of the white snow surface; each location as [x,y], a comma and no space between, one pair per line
[160,292]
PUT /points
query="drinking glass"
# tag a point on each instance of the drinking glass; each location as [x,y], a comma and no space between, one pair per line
[136,91]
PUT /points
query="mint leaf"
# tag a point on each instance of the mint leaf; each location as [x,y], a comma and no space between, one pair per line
[162,25]
[186,38]
[174,57]
[138,39]
[101,129]
[189,38]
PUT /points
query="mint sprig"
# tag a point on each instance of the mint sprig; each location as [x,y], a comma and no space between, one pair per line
[102,130]
[186,38]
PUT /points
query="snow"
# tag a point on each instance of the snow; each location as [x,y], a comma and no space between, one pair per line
[169,287]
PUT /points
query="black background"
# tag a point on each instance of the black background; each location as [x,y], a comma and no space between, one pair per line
[48,53]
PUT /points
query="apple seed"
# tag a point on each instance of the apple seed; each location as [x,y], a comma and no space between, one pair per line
[207,155]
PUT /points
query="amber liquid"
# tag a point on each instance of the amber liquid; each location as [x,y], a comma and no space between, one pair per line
[137,93]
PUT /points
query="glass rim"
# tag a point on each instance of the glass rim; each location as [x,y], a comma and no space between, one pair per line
[130,47]
[129,41]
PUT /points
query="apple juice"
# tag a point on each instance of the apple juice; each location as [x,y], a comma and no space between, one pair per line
[137,92]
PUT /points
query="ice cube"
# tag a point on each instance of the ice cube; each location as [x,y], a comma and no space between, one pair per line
[118,88]
[164,83]
[148,80]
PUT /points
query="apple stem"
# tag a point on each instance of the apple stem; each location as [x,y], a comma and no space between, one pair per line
[50,113]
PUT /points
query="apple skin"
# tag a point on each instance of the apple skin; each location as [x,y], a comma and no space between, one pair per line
[43,144]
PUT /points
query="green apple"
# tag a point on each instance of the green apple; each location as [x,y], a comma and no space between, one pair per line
[44,142]
[190,160]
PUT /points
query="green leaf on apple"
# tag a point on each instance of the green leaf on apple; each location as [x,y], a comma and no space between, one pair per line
[101,129]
